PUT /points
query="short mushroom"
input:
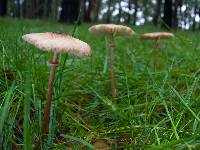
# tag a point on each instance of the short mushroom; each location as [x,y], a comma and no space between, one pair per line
[112,30]
[156,36]
[56,43]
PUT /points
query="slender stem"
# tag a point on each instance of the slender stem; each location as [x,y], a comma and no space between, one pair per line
[156,64]
[112,69]
[53,64]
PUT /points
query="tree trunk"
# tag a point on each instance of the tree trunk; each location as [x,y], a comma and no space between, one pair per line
[108,19]
[120,11]
[195,13]
[21,14]
[156,17]
[98,9]
[87,10]
[54,9]
[70,10]
[90,11]
[45,8]
[33,8]
[185,15]
[180,12]
[145,10]
[199,15]
[135,13]
[94,8]
[129,7]
[28,9]
[17,8]
[3,7]
[168,14]
[175,12]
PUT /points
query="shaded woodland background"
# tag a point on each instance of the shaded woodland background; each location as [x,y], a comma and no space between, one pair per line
[184,14]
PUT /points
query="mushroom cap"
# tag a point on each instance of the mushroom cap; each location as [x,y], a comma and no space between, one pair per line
[156,36]
[111,29]
[58,42]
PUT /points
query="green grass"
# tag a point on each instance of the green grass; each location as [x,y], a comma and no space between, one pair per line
[153,110]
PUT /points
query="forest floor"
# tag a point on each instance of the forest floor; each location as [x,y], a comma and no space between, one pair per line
[153,109]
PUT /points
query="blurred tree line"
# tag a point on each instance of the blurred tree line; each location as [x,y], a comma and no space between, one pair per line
[169,13]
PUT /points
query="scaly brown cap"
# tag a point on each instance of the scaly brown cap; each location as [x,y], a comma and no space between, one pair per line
[111,29]
[58,42]
[156,36]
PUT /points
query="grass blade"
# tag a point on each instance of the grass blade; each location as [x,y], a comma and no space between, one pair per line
[174,143]
[5,108]
[185,104]
[79,140]
[169,115]
[105,68]
[26,124]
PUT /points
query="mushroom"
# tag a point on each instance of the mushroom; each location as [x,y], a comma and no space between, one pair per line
[156,36]
[56,43]
[112,30]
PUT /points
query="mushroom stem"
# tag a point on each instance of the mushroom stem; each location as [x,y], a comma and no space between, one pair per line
[112,69]
[53,64]
[156,65]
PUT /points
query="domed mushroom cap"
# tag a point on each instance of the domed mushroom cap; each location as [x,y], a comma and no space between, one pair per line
[58,42]
[156,35]
[111,29]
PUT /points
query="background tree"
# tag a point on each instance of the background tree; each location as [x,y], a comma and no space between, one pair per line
[195,14]
[145,7]
[157,13]
[55,9]
[168,13]
[176,4]
[129,8]
[135,12]
[120,11]
[3,7]
[90,10]
[94,9]
[70,10]
[99,3]
[46,8]
[86,10]
[109,12]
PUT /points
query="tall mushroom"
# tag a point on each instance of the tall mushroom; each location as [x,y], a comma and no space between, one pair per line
[56,43]
[156,36]
[112,30]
